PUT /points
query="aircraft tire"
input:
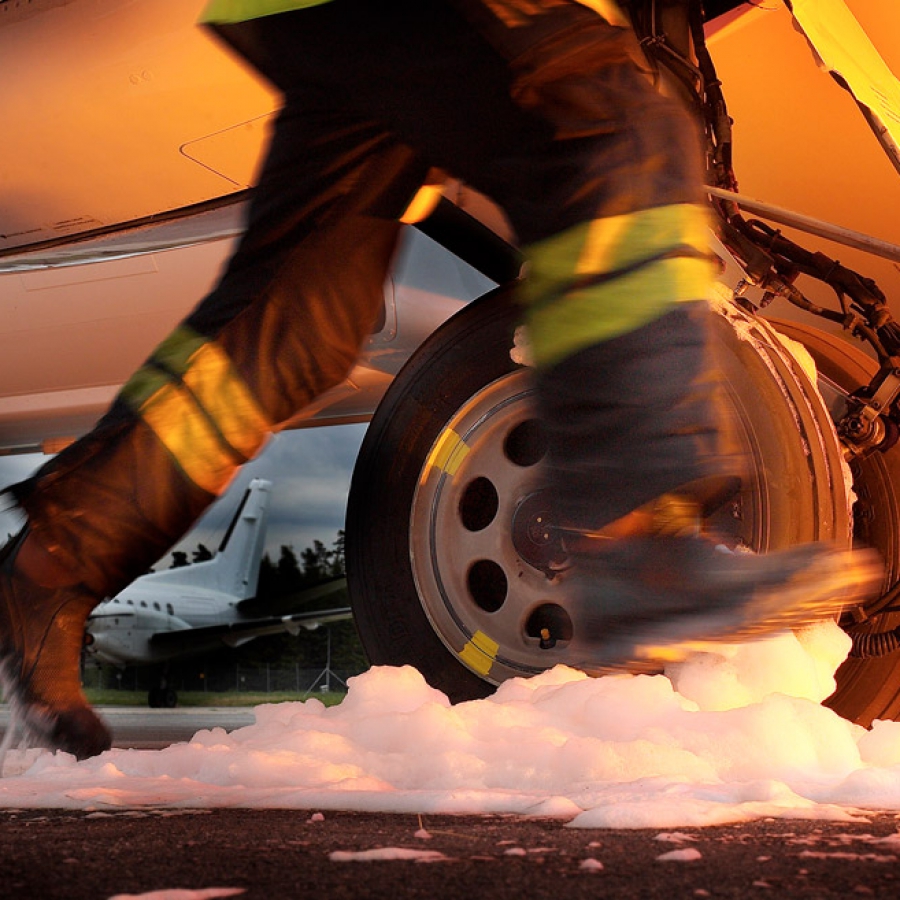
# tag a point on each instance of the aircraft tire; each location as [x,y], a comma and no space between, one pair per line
[446,492]
[162,698]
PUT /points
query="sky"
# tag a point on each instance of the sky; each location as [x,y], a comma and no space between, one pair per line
[310,470]
[732,734]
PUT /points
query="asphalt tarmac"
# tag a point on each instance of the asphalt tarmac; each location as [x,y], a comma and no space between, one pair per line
[141,728]
[274,854]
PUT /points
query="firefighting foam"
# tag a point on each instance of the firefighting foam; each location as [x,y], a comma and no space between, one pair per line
[733,734]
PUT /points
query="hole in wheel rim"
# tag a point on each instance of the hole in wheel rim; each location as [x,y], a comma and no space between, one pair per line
[526,444]
[549,620]
[487,584]
[479,504]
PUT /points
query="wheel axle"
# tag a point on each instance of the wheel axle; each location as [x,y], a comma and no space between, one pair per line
[535,534]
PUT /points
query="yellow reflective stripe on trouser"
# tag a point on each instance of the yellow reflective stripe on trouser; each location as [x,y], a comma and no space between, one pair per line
[422,204]
[200,409]
[609,10]
[227,399]
[188,435]
[567,311]
[171,359]
[223,11]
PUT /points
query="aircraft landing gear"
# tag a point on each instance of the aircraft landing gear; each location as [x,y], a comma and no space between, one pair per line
[162,696]
[450,567]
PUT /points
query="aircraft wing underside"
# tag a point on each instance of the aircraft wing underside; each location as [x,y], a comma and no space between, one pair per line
[185,641]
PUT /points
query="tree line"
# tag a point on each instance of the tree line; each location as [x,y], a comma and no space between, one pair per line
[282,581]
[287,574]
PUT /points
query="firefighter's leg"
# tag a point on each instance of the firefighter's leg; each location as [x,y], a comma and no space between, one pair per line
[284,324]
[619,268]
[600,176]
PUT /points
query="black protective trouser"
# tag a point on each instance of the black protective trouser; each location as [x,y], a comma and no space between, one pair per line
[551,117]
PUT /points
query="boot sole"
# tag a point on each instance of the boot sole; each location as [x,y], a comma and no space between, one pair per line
[820,591]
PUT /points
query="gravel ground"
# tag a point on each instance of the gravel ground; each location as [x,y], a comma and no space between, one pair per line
[274,854]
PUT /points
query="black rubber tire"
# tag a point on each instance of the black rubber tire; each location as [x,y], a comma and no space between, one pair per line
[410,562]
[867,689]
[451,365]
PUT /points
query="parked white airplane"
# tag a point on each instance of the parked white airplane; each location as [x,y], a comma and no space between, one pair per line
[206,605]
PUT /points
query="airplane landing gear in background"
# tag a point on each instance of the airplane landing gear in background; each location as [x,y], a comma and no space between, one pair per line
[162,696]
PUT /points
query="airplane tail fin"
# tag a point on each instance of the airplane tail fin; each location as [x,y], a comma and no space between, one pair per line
[240,552]
[235,567]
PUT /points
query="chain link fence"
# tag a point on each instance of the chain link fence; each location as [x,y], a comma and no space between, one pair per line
[237,678]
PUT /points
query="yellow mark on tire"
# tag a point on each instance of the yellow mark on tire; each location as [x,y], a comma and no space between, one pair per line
[447,454]
[479,654]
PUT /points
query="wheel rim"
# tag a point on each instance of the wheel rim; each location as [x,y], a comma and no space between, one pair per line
[488,566]
[484,555]
[488,570]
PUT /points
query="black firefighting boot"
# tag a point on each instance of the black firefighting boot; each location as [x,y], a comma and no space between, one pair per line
[98,514]
[638,418]
[657,598]
[42,619]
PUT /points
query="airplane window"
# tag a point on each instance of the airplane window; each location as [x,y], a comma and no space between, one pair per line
[157,606]
[170,609]
[130,602]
